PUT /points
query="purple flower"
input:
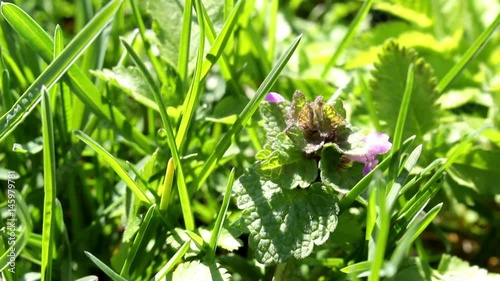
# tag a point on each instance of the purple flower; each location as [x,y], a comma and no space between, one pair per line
[375,144]
[274,97]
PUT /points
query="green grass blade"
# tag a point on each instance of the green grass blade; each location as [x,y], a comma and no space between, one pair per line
[408,166]
[143,195]
[426,192]
[49,176]
[222,214]
[79,83]
[357,267]
[247,112]
[142,31]
[58,48]
[273,23]
[220,43]
[176,258]
[224,64]
[193,95]
[181,184]
[138,240]
[349,36]
[27,102]
[400,124]
[166,189]
[106,269]
[211,58]
[183,63]
[468,56]
[415,229]
[383,226]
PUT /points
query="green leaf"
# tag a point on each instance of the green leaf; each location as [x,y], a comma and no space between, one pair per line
[285,223]
[407,13]
[334,172]
[388,86]
[143,195]
[274,116]
[198,271]
[226,240]
[451,267]
[476,169]
[282,163]
[80,84]
[50,191]
[131,81]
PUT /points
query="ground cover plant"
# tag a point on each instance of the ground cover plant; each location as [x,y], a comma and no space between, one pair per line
[250,140]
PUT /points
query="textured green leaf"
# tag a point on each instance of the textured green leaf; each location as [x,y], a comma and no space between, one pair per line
[274,116]
[453,268]
[388,87]
[195,270]
[334,170]
[282,163]
[285,223]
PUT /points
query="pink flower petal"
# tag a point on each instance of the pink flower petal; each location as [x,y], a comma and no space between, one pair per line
[274,97]
[378,143]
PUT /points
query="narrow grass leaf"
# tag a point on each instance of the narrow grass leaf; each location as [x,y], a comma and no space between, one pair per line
[221,41]
[49,176]
[110,159]
[166,189]
[176,258]
[357,267]
[211,58]
[27,102]
[106,269]
[414,230]
[430,188]
[183,61]
[400,123]
[273,23]
[353,27]
[79,83]
[437,162]
[408,166]
[181,183]
[371,215]
[138,240]
[224,65]
[193,96]
[147,44]
[219,222]
[247,113]
[382,234]
[468,56]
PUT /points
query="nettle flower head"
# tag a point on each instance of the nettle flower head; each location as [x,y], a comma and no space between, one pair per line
[312,126]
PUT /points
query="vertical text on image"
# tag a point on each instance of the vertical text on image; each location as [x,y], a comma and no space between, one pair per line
[11,220]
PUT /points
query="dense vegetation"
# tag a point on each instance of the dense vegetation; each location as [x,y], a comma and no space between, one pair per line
[139,140]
